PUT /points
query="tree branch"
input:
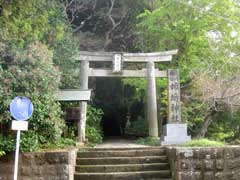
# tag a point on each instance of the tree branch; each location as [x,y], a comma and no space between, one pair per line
[109,34]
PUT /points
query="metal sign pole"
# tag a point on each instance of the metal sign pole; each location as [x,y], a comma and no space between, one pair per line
[17,156]
[21,109]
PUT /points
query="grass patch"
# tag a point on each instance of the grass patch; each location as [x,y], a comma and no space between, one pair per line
[64,143]
[204,143]
[148,141]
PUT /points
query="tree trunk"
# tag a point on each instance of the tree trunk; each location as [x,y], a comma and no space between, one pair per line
[207,122]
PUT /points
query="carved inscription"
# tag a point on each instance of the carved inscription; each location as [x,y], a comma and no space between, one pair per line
[117,63]
[174,110]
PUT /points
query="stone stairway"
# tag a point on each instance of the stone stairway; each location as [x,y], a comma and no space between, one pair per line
[122,164]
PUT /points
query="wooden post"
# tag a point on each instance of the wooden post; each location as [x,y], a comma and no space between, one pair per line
[84,69]
[151,101]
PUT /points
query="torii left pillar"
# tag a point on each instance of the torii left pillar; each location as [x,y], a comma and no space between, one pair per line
[84,69]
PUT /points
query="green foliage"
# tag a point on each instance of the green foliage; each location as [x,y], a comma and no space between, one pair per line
[2,153]
[33,36]
[206,35]
[62,143]
[93,136]
[137,128]
[94,133]
[30,72]
[148,141]
[29,141]
[63,56]
[7,143]
[204,143]
[25,21]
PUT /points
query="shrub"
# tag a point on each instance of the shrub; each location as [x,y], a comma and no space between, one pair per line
[7,143]
[30,72]
[204,143]
[148,141]
[94,132]
[62,143]
[138,127]
[2,153]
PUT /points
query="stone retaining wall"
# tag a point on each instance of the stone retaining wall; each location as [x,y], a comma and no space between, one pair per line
[40,166]
[205,163]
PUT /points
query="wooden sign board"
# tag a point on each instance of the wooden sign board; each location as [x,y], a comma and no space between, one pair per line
[174,108]
[73,95]
[117,63]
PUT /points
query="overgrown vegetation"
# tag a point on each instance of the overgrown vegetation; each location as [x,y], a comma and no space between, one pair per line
[207,37]
[138,128]
[94,132]
[2,153]
[204,143]
[148,141]
[31,33]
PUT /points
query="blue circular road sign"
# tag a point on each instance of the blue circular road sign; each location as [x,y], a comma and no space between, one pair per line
[21,108]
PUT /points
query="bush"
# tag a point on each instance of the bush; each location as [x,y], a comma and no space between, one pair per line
[7,143]
[62,143]
[2,153]
[204,143]
[148,141]
[94,132]
[30,72]
[138,127]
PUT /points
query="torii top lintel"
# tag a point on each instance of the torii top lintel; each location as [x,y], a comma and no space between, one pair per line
[127,57]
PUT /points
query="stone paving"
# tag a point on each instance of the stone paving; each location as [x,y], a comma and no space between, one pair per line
[119,143]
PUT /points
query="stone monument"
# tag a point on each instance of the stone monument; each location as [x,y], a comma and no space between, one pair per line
[174,132]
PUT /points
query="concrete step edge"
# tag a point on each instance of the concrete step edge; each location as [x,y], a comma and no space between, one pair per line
[124,157]
[120,154]
[122,167]
[123,149]
[109,165]
[129,173]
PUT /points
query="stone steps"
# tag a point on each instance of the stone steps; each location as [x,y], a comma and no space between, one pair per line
[122,160]
[122,163]
[122,153]
[141,175]
[122,167]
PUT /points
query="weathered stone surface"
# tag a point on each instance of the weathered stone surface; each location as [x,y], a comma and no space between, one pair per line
[175,134]
[208,165]
[205,163]
[40,166]
[189,176]
[219,164]
[208,175]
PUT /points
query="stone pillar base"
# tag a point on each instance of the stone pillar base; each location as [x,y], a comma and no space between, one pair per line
[175,134]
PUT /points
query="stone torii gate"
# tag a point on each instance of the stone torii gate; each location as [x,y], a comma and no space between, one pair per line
[117,59]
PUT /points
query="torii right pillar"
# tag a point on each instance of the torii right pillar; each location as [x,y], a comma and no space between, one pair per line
[174,132]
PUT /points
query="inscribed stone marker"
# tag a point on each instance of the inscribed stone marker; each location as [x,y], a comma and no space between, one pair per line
[174,110]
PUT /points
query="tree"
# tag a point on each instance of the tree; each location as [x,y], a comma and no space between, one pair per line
[31,32]
[108,22]
[207,37]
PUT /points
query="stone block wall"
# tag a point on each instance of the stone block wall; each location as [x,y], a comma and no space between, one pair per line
[205,163]
[40,166]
